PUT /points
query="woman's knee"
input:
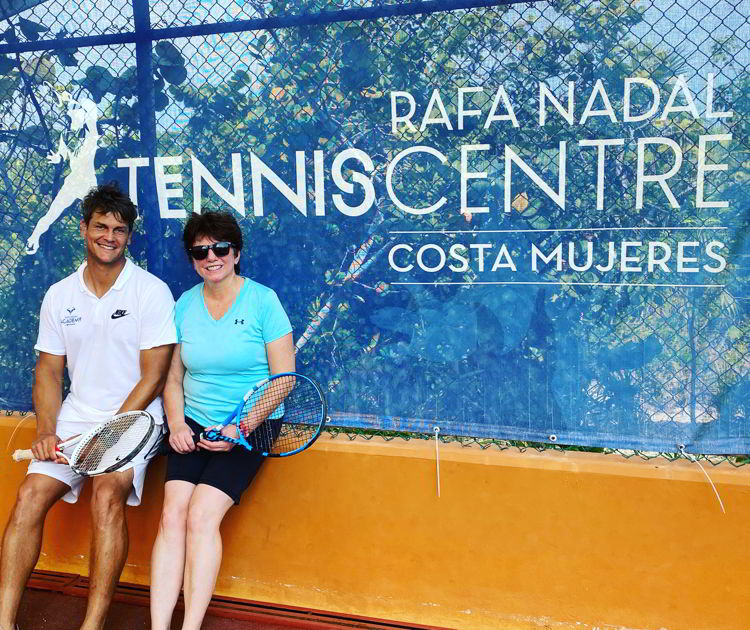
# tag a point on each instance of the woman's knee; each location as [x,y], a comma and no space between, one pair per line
[173,518]
[202,519]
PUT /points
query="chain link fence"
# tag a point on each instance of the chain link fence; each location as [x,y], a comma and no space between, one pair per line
[598,346]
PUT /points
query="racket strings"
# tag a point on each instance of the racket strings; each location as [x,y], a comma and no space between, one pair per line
[116,440]
[294,410]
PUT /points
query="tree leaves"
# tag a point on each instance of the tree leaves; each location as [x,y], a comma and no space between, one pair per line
[10,35]
[31,30]
[33,136]
[66,56]
[169,66]
[39,69]
[170,63]
[127,83]
[6,64]
[8,86]
[161,101]
[173,74]
[98,82]
[358,71]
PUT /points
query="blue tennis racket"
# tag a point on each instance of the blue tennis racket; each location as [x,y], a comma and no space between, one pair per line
[280,416]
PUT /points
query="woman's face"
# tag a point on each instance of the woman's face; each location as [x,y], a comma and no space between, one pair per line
[213,268]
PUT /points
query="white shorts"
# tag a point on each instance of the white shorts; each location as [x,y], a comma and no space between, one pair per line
[63,472]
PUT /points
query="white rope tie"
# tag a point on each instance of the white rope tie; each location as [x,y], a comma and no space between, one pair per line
[436,429]
[694,459]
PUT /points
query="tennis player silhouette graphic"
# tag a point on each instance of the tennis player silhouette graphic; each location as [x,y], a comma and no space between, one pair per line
[82,176]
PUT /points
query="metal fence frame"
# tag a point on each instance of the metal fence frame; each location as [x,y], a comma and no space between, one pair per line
[143,37]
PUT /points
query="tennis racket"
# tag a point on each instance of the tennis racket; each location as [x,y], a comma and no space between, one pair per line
[107,447]
[280,416]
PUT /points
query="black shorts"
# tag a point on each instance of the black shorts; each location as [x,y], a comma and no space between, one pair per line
[231,472]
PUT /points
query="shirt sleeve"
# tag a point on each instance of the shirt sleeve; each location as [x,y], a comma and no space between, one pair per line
[157,318]
[276,324]
[50,338]
[179,316]
[181,309]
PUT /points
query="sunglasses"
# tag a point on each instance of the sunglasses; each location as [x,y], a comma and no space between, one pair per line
[200,252]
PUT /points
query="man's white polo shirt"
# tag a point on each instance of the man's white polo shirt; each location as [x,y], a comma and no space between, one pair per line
[101,338]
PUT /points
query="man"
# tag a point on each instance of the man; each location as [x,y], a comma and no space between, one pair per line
[113,324]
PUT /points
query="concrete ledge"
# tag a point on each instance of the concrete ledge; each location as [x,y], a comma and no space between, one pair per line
[517,541]
[64,589]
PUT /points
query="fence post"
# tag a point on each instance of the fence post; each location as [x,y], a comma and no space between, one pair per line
[148,202]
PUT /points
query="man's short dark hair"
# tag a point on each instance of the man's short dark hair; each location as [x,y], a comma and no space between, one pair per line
[106,199]
[219,226]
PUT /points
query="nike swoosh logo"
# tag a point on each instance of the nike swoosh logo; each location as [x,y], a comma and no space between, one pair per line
[118,315]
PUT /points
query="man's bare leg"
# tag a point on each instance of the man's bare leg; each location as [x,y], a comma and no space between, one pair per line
[109,543]
[22,540]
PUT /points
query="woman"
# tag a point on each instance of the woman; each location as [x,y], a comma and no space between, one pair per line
[231,332]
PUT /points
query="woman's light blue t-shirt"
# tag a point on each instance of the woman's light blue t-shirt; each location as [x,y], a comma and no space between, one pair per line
[224,358]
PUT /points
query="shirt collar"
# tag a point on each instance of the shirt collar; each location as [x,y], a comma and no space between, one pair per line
[122,278]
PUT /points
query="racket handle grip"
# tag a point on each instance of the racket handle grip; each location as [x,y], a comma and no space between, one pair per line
[22,454]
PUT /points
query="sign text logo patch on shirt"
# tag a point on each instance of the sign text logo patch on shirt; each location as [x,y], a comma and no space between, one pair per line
[70,319]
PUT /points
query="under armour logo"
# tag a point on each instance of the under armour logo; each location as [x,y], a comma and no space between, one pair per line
[119,313]
[239,321]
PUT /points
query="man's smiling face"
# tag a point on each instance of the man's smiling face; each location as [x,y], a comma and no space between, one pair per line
[106,237]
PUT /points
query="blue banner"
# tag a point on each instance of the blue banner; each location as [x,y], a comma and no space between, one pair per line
[520,220]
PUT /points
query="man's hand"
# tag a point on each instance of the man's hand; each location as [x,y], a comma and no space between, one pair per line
[44,448]
[181,438]
[220,445]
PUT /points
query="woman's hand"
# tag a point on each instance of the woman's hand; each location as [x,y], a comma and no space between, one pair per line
[219,445]
[181,438]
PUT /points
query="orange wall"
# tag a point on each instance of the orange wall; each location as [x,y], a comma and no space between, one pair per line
[517,541]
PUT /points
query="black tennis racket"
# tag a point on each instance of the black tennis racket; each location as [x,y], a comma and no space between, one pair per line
[280,416]
[107,447]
